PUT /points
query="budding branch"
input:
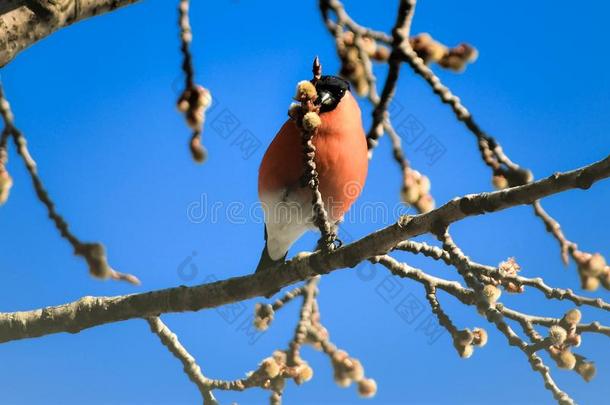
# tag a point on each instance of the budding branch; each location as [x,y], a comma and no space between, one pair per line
[94,311]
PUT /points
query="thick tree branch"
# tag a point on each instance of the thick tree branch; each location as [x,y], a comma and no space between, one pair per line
[93,311]
[25,22]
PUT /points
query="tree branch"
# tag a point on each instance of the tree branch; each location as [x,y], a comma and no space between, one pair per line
[25,22]
[93,311]
[192,370]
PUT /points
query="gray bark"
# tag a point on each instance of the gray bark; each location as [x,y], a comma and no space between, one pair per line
[24,22]
[93,311]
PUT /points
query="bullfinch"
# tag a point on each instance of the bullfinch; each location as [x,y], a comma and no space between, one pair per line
[341,159]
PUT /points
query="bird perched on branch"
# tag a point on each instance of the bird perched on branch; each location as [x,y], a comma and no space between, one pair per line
[341,162]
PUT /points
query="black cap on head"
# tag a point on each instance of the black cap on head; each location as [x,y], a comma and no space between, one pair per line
[331,90]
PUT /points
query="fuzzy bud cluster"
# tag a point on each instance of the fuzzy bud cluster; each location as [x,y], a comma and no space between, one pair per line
[354,70]
[271,367]
[303,373]
[271,372]
[263,316]
[510,268]
[557,335]
[593,270]
[572,317]
[561,352]
[416,190]
[563,337]
[95,255]
[348,370]
[311,121]
[352,65]
[569,322]
[193,102]
[321,335]
[499,181]
[488,297]
[586,369]
[464,341]
[563,357]
[276,368]
[432,51]
[304,112]
[367,388]
[305,90]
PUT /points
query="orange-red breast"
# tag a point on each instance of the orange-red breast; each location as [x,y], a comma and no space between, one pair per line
[341,162]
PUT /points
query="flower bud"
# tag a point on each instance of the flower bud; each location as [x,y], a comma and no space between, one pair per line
[479,337]
[279,356]
[509,267]
[263,316]
[304,374]
[342,381]
[294,111]
[596,265]
[424,185]
[339,356]
[278,384]
[197,150]
[95,255]
[464,337]
[566,360]
[305,89]
[589,283]
[204,98]
[499,182]
[410,195]
[572,317]
[425,203]
[465,351]
[558,335]
[491,294]
[182,104]
[585,369]
[311,121]
[573,340]
[367,388]
[270,367]
[194,118]
[513,288]
[354,369]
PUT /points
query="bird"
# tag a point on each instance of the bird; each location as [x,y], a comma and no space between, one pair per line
[341,160]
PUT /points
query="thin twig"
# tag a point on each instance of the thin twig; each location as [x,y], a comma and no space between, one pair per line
[192,370]
[93,253]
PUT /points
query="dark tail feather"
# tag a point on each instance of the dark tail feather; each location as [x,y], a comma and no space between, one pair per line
[266,262]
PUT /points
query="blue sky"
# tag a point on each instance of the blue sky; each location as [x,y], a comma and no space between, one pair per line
[97,103]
